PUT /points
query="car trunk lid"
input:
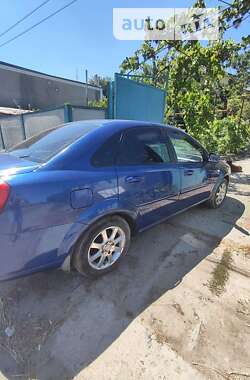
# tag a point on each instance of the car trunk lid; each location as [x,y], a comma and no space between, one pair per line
[11,165]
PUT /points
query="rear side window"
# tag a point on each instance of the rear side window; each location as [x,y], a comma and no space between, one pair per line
[143,146]
[106,155]
[42,147]
[186,150]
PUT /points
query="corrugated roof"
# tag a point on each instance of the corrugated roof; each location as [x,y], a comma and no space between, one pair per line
[12,111]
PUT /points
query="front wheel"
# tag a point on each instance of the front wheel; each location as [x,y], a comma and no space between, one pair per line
[218,195]
[101,248]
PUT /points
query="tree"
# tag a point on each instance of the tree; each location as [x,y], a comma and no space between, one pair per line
[97,80]
[202,81]
[103,83]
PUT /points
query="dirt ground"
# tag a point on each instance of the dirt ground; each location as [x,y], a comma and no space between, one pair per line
[178,307]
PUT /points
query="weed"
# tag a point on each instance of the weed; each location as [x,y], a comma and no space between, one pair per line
[220,274]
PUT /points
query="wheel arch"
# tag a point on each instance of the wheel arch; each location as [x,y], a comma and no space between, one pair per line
[129,218]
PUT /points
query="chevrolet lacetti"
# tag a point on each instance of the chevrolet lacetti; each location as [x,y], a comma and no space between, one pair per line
[72,196]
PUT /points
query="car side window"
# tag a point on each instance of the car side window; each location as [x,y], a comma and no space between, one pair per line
[105,156]
[185,149]
[143,146]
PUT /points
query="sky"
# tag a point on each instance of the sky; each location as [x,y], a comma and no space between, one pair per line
[78,38]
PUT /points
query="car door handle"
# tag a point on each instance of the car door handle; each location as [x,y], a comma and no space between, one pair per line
[133,179]
[188,172]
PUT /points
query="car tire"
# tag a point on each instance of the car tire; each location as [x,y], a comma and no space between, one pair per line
[101,248]
[218,194]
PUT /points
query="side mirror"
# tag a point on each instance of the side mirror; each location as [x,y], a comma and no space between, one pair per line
[213,157]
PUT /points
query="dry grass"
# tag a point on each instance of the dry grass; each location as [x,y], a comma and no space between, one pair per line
[220,274]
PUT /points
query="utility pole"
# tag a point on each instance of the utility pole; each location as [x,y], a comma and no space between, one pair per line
[87,89]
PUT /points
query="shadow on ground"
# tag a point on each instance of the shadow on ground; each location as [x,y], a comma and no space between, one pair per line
[238,179]
[59,323]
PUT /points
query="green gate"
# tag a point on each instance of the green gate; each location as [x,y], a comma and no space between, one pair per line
[132,100]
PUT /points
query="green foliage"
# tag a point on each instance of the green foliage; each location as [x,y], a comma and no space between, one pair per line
[205,83]
[225,136]
[103,103]
[237,12]
[102,82]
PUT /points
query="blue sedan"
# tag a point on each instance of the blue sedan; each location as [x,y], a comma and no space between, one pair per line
[74,195]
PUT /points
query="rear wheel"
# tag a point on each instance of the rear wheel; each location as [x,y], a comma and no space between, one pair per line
[101,248]
[219,194]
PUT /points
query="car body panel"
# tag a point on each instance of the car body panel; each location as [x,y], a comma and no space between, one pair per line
[10,165]
[195,183]
[52,204]
[39,214]
[154,195]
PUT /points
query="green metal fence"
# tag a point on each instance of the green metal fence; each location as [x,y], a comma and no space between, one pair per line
[14,129]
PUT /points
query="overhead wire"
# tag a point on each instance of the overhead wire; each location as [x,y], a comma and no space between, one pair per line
[38,23]
[24,18]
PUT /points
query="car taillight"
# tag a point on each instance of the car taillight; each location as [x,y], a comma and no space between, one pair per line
[4,194]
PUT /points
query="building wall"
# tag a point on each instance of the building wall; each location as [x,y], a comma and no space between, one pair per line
[30,89]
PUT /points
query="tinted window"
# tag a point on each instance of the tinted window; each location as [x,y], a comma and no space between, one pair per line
[47,144]
[185,149]
[143,146]
[106,154]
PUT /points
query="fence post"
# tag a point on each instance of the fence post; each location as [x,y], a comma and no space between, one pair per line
[1,136]
[68,114]
[23,127]
[110,110]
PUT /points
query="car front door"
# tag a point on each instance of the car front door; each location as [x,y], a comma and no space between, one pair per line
[148,178]
[192,162]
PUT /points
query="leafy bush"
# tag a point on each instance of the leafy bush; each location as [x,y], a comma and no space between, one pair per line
[103,103]
[225,136]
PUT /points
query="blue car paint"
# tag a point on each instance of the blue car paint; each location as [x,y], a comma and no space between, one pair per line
[52,204]
[156,193]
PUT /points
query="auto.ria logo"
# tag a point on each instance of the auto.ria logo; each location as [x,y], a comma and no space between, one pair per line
[165,23]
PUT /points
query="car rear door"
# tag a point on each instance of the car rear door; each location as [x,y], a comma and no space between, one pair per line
[192,163]
[148,178]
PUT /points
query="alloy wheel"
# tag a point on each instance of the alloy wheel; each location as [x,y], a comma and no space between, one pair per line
[106,247]
[221,193]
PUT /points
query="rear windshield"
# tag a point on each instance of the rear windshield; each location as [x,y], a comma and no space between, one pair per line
[42,147]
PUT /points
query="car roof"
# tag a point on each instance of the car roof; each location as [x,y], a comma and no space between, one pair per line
[117,124]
